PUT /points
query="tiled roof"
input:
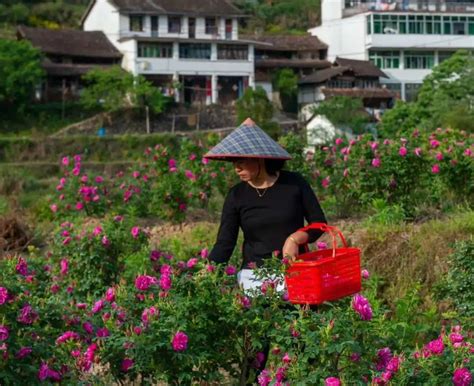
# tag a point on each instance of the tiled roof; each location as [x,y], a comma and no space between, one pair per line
[323,75]
[290,63]
[92,44]
[365,93]
[181,7]
[288,42]
[361,67]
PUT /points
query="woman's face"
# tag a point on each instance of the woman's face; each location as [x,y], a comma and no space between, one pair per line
[246,168]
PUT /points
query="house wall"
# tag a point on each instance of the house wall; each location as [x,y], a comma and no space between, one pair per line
[163,28]
[104,17]
[345,37]
[309,94]
[129,59]
[267,86]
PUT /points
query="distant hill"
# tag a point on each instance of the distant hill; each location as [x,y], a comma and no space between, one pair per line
[266,16]
[47,14]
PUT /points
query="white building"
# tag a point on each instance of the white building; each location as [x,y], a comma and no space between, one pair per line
[189,48]
[405,38]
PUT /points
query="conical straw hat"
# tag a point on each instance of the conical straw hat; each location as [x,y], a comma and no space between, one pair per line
[248,141]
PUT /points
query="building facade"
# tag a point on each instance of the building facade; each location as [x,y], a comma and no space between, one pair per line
[405,38]
[67,56]
[190,49]
[304,54]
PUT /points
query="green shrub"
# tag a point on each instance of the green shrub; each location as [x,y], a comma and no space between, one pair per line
[458,285]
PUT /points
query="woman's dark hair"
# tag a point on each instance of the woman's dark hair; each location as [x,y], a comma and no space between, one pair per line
[272,166]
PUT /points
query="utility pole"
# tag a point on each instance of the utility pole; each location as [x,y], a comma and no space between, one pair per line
[147,119]
[63,97]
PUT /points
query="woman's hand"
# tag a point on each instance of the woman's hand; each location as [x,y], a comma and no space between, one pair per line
[292,243]
[290,248]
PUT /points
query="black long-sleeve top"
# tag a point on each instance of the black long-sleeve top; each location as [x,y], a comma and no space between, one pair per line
[266,221]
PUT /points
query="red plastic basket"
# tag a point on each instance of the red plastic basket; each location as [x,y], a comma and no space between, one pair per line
[324,275]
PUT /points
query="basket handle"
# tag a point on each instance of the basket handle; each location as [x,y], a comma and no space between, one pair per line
[332,230]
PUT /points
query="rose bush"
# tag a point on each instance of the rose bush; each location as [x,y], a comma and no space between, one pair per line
[425,170]
[161,185]
[185,321]
[99,305]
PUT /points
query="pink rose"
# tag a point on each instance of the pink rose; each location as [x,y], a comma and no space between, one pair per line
[64,266]
[332,381]
[180,341]
[135,232]
[362,306]
[376,162]
[4,333]
[462,377]
[127,363]
[365,274]
[110,295]
[143,282]
[3,295]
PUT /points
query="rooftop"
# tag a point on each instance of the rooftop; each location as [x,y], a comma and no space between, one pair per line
[292,63]
[287,42]
[91,44]
[174,7]
[361,67]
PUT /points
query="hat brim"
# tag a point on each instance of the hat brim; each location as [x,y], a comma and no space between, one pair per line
[230,157]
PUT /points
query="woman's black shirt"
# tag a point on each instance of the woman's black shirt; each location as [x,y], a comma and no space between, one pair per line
[266,221]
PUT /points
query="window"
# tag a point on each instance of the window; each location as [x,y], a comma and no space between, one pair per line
[211,26]
[419,59]
[411,91]
[232,52]
[174,24]
[459,28]
[136,23]
[336,83]
[415,24]
[420,24]
[395,87]
[385,59]
[195,51]
[155,50]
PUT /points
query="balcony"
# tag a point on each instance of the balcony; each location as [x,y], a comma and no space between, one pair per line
[354,7]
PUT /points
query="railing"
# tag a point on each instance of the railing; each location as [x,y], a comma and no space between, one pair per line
[353,7]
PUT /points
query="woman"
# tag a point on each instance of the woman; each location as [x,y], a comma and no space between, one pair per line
[269,204]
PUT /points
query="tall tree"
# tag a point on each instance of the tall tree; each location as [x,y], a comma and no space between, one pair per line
[256,105]
[344,111]
[115,89]
[20,73]
[446,98]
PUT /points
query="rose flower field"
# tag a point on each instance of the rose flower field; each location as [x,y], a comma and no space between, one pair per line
[102,300]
